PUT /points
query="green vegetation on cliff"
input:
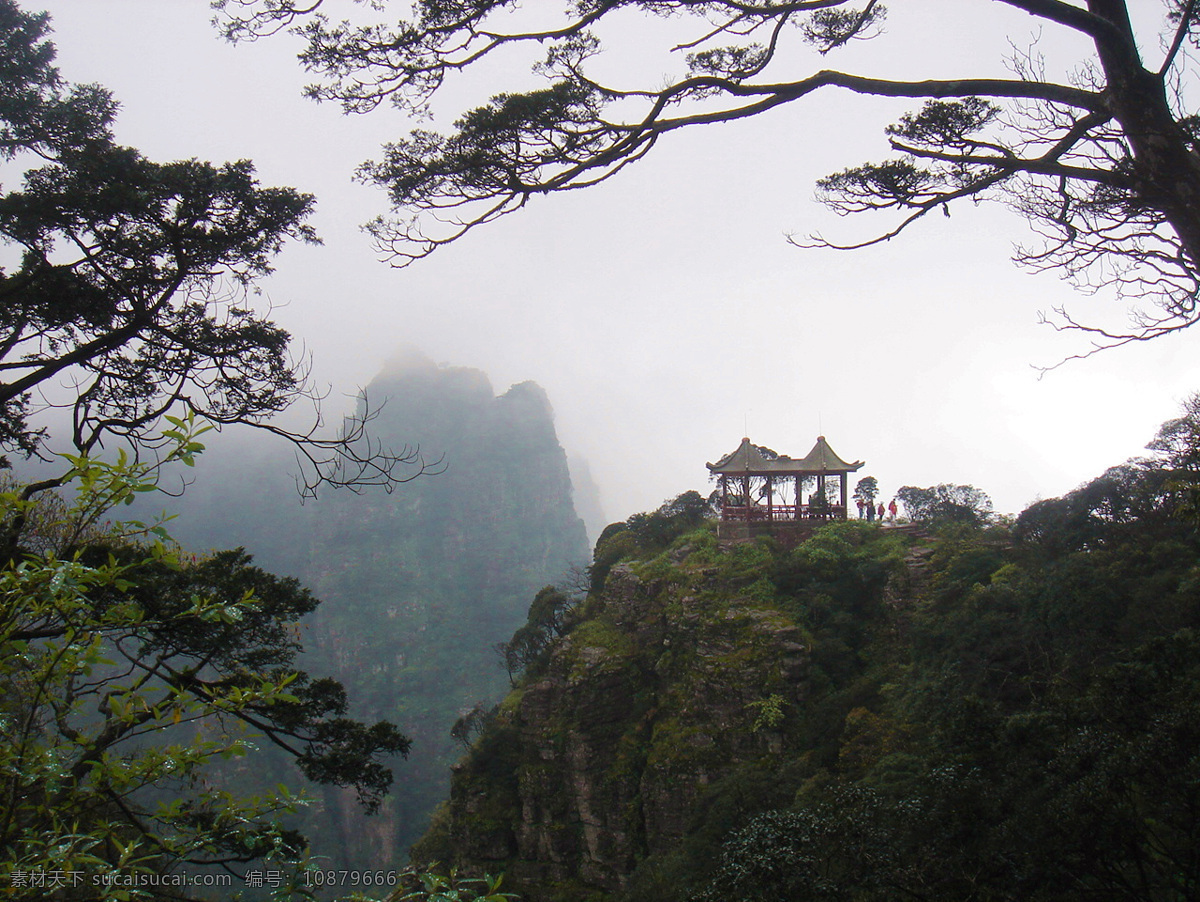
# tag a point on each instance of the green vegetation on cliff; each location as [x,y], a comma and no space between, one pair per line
[1005,711]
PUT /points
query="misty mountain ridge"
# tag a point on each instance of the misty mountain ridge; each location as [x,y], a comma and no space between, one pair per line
[417,585]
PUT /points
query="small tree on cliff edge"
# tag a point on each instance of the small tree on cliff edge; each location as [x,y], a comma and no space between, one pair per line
[866,490]
[946,503]
[1104,165]
[132,281]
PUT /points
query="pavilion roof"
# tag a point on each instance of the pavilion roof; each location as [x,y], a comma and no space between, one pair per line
[822,459]
[749,459]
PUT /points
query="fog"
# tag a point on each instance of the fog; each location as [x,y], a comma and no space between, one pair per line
[664,312]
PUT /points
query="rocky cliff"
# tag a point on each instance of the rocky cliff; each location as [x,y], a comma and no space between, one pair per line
[417,585]
[640,709]
[674,695]
[1005,711]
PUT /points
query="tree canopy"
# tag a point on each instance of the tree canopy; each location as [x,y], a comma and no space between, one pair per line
[1102,163]
[127,671]
[946,503]
[866,490]
[126,287]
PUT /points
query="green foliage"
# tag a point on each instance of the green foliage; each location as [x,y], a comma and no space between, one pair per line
[127,671]
[675,668]
[114,251]
[429,886]
[996,713]
[473,723]
[1177,447]
[644,535]
[768,712]
[867,490]
[33,522]
[843,567]
[1000,713]
[1130,498]
[946,504]
[1032,738]
[1177,442]
[550,616]
[826,852]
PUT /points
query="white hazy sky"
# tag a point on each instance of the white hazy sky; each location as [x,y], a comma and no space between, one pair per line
[664,312]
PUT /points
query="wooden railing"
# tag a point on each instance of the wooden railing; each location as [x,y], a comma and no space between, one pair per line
[781,513]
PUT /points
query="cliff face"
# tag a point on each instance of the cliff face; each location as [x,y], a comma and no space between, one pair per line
[1002,712]
[417,586]
[667,685]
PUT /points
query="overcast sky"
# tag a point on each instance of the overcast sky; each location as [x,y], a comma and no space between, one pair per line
[664,312]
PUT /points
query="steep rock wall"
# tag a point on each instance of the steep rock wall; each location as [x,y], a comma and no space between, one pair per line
[417,585]
[603,758]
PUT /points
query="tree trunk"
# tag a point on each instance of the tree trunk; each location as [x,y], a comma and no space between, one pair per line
[1166,172]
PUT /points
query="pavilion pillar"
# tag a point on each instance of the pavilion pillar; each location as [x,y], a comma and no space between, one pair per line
[845,509]
[770,499]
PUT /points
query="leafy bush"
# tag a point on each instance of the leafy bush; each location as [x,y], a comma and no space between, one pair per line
[127,671]
[945,503]
[644,535]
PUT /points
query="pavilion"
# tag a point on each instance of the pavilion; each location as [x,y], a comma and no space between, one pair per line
[761,491]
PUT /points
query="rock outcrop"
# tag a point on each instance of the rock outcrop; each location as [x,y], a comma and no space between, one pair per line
[417,585]
[602,758]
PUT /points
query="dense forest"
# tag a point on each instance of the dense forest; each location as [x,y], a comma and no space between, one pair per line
[968,707]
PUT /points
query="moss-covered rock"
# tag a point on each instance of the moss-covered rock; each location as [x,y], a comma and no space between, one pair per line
[653,699]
